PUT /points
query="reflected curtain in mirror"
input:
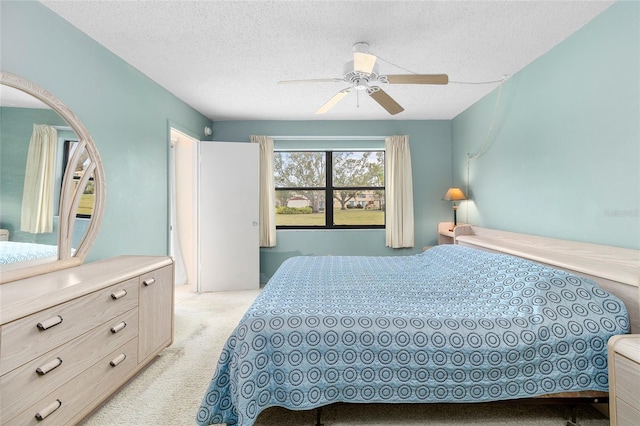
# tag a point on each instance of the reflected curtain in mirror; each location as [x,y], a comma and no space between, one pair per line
[37,198]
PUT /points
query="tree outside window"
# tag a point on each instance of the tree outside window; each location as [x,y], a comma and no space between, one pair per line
[352,180]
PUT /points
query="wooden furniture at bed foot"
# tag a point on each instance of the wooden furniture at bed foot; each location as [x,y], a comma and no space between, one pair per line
[69,339]
[445,232]
[624,380]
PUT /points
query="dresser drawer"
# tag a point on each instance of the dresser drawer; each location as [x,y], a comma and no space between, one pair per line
[65,403]
[627,415]
[28,383]
[627,380]
[37,334]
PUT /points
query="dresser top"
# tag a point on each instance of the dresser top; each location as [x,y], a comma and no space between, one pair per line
[24,297]
[629,346]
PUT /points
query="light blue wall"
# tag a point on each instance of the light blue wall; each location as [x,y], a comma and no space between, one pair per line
[563,159]
[430,143]
[569,120]
[125,112]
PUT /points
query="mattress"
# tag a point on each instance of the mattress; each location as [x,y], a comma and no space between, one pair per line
[452,324]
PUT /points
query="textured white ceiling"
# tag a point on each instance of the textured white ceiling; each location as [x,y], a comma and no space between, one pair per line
[224,58]
[10,97]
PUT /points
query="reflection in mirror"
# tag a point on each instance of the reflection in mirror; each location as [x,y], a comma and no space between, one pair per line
[28,190]
[85,209]
[51,183]
[78,194]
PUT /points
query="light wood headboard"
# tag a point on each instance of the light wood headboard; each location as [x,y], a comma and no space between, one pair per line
[616,270]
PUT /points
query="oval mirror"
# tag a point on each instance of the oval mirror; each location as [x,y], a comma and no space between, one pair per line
[52,186]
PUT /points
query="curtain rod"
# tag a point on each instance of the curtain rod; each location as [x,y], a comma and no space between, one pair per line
[328,138]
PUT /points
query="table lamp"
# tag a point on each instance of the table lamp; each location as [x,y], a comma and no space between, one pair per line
[454,194]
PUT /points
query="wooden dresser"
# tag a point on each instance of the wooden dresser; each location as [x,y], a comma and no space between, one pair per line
[624,380]
[69,339]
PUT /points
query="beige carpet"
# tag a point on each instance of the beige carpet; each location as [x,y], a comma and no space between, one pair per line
[169,391]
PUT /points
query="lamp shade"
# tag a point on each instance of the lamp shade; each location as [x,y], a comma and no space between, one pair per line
[454,194]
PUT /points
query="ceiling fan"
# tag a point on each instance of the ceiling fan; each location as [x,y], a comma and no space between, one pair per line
[362,74]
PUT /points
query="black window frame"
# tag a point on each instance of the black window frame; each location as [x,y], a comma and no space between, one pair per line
[329,189]
[66,156]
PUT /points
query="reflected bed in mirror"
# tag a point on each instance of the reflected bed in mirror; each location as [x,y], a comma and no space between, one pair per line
[16,254]
[51,183]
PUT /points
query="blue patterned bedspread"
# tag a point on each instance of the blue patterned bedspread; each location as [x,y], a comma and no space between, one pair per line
[452,324]
[14,251]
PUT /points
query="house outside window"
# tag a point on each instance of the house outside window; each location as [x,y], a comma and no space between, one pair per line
[353,180]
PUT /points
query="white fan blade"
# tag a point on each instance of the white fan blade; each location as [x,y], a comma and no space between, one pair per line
[313,80]
[363,62]
[326,107]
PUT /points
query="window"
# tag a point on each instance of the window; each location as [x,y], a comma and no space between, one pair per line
[85,209]
[353,181]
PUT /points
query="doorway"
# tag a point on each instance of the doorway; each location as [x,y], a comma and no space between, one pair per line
[183,234]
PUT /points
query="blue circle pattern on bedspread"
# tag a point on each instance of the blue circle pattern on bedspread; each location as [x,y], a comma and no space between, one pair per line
[452,324]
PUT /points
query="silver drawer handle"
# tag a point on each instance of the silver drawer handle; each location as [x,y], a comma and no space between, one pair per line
[51,365]
[51,322]
[118,294]
[117,360]
[149,281]
[44,413]
[118,327]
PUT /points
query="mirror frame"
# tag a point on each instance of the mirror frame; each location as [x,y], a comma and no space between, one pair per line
[69,195]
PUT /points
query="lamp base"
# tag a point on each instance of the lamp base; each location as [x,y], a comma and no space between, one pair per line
[455,217]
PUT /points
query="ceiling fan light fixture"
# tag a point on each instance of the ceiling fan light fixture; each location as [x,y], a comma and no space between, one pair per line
[361,84]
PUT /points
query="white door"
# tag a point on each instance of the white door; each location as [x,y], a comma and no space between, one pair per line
[229,253]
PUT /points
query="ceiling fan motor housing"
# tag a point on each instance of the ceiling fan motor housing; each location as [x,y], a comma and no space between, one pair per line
[359,80]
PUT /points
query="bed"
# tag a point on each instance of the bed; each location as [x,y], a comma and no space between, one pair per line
[14,251]
[450,325]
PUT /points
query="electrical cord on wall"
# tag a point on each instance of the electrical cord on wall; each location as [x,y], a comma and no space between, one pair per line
[485,145]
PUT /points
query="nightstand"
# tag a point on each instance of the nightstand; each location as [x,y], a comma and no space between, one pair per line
[624,380]
[445,232]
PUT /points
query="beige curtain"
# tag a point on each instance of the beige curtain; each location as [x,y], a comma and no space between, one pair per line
[399,192]
[37,197]
[267,213]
